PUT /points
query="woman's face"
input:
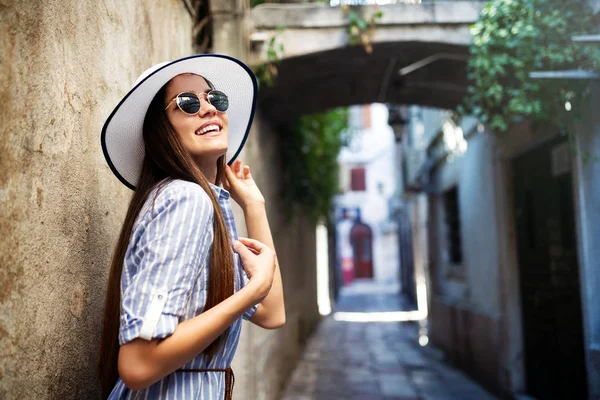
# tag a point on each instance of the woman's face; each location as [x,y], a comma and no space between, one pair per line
[204,135]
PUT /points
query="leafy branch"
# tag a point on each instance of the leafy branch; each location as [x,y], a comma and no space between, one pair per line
[309,153]
[515,37]
[360,30]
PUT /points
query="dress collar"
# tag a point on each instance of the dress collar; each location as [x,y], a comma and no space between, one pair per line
[219,191]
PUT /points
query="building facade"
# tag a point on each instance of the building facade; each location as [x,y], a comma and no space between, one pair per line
[512,248]
[366,236]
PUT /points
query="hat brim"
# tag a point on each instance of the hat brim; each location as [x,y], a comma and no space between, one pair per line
[122,140]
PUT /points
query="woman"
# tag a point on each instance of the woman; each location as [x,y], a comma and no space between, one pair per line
[176,290]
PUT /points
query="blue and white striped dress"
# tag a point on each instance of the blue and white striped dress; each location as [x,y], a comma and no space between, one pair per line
[165,281]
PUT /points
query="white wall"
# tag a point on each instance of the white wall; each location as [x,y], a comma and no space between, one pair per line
[473,173]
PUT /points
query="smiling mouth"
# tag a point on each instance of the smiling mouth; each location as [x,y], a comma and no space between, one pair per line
[214,128]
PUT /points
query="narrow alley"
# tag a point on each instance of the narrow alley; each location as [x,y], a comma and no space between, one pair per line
[375,360]
[426,171]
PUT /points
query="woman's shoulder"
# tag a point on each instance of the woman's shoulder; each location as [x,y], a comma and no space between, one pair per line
[175,197]
[180,191]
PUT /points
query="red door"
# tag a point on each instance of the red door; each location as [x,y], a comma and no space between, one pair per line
[362,244]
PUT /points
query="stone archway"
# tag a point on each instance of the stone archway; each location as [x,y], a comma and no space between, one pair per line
[348,76]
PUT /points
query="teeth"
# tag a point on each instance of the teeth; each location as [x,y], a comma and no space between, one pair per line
[208,128]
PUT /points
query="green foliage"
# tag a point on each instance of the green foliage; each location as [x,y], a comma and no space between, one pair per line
[360,31]
[515,37]
[309,155]
[267,72]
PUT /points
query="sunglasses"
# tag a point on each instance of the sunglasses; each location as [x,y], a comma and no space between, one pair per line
[189,102]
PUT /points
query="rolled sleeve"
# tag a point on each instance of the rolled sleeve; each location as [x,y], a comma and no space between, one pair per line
[168,251]
[248,314]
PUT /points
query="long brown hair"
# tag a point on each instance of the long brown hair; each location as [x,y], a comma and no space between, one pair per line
[165,159]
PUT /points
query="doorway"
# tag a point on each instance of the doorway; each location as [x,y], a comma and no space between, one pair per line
[549,274]
[361,239]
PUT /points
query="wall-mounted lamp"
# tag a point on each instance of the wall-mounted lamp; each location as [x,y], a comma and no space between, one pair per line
[398,119]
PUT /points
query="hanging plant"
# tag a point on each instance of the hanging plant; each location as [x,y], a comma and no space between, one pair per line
[360,30]
[515,37]
[309,153]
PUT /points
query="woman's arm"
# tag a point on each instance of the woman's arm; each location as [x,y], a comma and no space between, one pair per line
[270,313]
[142,363]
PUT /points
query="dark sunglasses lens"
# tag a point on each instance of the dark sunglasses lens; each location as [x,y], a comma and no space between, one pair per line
[189,103]
[219,100]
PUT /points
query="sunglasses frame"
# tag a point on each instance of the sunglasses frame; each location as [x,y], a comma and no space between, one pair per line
[176,100]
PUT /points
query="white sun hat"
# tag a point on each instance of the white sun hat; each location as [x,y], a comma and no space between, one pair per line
[122,141]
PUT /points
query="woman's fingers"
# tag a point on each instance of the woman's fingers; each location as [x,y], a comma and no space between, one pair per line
[242,249]
[247,258]
[237,168]
[247,173]
[229,175]
[254,245]
[236,171]
[259,262]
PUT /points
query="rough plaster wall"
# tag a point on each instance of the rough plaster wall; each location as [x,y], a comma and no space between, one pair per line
[473,173]
[265,358]
[480,240]
[64,65]
[469,307]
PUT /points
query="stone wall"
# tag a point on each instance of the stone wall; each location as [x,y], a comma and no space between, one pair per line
[64,66]
[470,339]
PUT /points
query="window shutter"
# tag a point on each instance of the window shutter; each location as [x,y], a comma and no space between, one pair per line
[357,179]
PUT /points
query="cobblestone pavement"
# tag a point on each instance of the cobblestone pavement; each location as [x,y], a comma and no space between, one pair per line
[375,360]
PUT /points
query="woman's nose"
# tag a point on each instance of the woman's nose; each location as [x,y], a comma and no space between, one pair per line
[206,108]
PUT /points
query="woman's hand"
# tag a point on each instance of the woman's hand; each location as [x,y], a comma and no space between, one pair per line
[143,362]
[241,185]
[258,261]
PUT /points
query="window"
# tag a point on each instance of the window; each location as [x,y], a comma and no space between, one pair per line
[357,179]
[452,220]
